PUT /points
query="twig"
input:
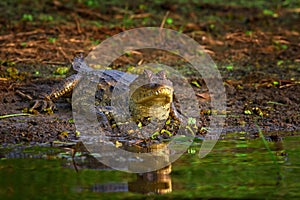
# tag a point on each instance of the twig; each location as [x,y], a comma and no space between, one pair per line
[23,95]
[64,54]
[287,85]
[164,20]
[77,23]
[91,13]
[121,10]
[17,60]
[162,25]
[54,63]
[14,115]
[6,37]
[139,16]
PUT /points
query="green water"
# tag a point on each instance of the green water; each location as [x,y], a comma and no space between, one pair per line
[236,168]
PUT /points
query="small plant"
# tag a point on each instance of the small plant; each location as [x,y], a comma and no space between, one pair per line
[45,18]
[142,7]
[166,131]
[169,21]
[249,33]
[180,29]
[27,17]
[92,3]
[270,13]
[229,67]
[191,151]
[127,21]
[195,83]
[127,53]
[23,44]
[276,83]
[61,70]
[10,63]
[191,121]
[154,135]
[94,42]
[145,20]
[280,62]
[284,46]
[280,46]
[12,71]
[247,112]
[52,40]
[97,24]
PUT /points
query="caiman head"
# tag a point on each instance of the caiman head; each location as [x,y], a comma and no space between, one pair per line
[151,96]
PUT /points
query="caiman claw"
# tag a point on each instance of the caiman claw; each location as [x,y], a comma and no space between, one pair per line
[42,105]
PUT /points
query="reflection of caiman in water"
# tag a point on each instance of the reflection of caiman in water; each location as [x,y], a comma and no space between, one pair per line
[150,101]
[158,181]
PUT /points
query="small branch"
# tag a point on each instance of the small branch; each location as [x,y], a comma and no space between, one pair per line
[91,13]
[77,23]
[6,37]
[164,20]
[23,95]
[14,115]
[64,54]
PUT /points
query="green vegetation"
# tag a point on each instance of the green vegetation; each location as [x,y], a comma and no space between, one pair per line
[268,8]
[61,70]
[229,67]
[45,18]
[14,115]
[52,39]
[270,13]
[27,17]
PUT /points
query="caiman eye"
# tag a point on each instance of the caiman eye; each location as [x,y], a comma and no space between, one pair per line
[153,85]
[162,74]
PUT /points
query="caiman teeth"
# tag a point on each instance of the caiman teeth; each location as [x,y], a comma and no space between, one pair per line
[160,94]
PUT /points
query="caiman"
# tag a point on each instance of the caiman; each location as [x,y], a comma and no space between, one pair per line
[153,100]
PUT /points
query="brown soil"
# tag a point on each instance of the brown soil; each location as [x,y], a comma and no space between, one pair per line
[257,55]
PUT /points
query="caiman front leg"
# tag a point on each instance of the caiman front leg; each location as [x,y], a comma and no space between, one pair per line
[176,115]
[102,113]
[189,124]
[46,101]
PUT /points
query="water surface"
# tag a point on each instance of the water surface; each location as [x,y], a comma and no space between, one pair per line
[236,168]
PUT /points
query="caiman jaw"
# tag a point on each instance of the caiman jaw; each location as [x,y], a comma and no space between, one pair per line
[153,102]
[160,95]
